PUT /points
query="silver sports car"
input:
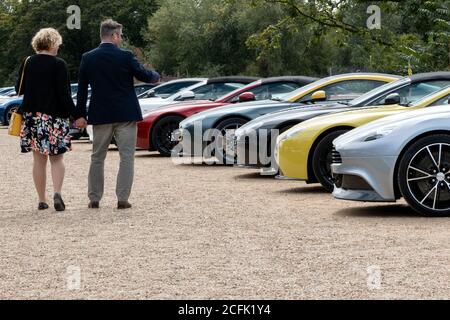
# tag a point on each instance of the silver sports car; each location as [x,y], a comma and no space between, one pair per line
[405,155]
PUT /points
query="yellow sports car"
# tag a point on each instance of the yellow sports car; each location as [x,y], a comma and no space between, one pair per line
[305,151]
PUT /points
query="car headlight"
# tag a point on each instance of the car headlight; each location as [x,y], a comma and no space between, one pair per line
[379,133]
[249,129]
[187,123]
[288,134]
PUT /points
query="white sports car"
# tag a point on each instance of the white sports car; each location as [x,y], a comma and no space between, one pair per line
[209,89]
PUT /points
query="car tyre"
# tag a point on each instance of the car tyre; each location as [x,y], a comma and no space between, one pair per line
[321,160]
[161,137]
[424,181]
[224,126]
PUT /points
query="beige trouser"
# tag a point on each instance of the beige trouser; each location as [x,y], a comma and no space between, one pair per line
[125,136]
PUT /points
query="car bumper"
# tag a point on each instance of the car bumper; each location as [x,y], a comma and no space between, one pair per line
[249,152]
[143,135]
[193,141]
[365,178]
[292,159]
[2,115]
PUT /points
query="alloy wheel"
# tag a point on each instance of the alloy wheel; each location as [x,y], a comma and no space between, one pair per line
[428,177]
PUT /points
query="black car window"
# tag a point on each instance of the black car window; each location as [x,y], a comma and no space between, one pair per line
[346,90]
[413,92]
[271,90]
[213,91]
[442,101]
[172,88]
[142,88]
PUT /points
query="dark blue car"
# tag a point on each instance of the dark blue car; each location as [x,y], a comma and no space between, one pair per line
[7,106]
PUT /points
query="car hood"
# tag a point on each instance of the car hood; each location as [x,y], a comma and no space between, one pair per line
[8,100]
[151,100]
[396,120]
[181,107]
[236,108]
[349,117]
[147,106]
[4,99]
[301,112]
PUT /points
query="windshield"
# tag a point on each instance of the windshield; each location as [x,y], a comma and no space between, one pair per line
[177,95]
[339,88]
[306,88]
[431,96]
[375,92]
[227,96]
[213,91]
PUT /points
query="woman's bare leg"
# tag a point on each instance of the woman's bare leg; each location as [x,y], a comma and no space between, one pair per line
[40,174]
[58,172]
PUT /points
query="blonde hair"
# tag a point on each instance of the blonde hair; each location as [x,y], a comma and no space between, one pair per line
[46,39]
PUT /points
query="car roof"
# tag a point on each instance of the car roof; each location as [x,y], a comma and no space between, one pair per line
[355,74]
[186,79]
[296,79]
[440,75]
[240,79]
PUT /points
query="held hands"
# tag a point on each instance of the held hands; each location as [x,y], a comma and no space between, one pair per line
[81,123]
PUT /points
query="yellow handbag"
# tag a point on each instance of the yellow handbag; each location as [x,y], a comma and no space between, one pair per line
[15,123]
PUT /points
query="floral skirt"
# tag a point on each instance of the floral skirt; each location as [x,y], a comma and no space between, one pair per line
[45,134]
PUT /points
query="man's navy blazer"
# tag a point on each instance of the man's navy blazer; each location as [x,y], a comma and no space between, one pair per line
[109,71]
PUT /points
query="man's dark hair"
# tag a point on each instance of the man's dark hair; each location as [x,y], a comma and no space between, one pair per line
[109,27]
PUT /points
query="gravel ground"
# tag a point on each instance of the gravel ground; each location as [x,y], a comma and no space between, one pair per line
[210,232]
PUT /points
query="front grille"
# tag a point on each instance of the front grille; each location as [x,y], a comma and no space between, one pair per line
[351,182]
[336,156]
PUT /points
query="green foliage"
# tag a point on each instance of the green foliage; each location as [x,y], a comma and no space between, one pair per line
[189,37]
[273,37]
[20,20]
[253,37]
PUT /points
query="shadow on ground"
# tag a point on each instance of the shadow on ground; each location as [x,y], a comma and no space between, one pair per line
[81,141]
[306,189]
[383,211]
[146,154]
[253,176]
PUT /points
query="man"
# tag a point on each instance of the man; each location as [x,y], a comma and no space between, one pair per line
[113,110]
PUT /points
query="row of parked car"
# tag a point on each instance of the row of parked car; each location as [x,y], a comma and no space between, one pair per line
[297,127]
[304,128]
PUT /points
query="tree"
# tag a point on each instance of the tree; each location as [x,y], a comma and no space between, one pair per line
[20,20]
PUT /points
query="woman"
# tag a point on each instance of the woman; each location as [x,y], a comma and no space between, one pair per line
[46,107]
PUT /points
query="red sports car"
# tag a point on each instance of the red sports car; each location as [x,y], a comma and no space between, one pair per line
[155,130]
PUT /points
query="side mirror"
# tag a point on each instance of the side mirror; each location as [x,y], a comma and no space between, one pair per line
[187,95]
[247,96]
[319,96]
[393,98]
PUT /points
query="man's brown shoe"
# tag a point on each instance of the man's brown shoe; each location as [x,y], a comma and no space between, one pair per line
[123,205]
[94,205]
